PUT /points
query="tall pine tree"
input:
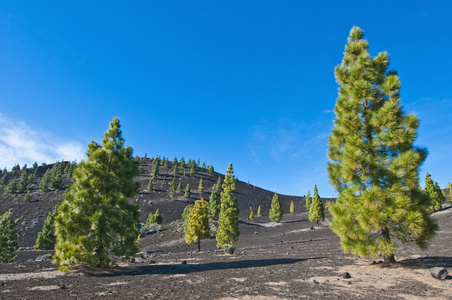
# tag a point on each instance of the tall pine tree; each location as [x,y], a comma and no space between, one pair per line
[96,218]
[8,237]
[433,192]
[373,163]
[228,221]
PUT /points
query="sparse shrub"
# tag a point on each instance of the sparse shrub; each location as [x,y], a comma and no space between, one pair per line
[229,249]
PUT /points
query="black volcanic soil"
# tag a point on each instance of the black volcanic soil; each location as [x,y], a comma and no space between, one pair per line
[286,260]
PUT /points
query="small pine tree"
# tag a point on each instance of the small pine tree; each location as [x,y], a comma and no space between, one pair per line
[203,165]
[197,227]
[11,188]
[4,180]
[150,185]
[214,205]
[187,191]
[441,193]
[186,212]
[259,211]
[46,238]
[8,237]
[15,169]
[193,169]
[23,183]
[182,162]
[175,168]
[228,221]
[154,218]
[316,211]
[251,214]
[200,187]
[308,201]
[155,169]
[57,176]
[179,187]
[30,180]
[275,213]
[45,181]
[211,170]
[432,192]
[218,184]
[35,165]
[173,188]
[165,163]
[292,207]
[27,197]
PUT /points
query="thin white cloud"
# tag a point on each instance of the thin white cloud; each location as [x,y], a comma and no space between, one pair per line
[19,144]
[286,140]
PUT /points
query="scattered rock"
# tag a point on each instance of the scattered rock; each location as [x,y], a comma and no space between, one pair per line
[46,257]
[346,275]
[315,281]
[184,262]
[438,273]
[152,261]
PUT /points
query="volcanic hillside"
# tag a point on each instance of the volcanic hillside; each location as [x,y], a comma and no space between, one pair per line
[33,213]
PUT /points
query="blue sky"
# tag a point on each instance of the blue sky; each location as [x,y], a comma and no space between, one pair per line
[247,82]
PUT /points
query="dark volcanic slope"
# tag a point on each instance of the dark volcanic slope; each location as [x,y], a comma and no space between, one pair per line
[33,214]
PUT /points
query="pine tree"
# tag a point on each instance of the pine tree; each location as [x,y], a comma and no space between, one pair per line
[8,237]
[187,191]
[211,170]
[228,221]
[35,165]
[214,205]
[154,218]
[150,185]
[200,187]
[45,181]
[96,218]
[46,238]
[15,169]
[57,176]
[4,180]
[433,193]
[23,183]
[155,169]
[173,188]
[316,211]
[165,163]
[441,193]
[27,197]
[218,184]
[193,169]
[259,211]
[179,187]
[275,213]
[373,163]
[12,186]
[197,227]
[175,168]
[292,207]
[251,217]
[308,201]
[182,162]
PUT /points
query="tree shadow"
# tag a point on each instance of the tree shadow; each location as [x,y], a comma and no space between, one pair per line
[427,262]
[191,268]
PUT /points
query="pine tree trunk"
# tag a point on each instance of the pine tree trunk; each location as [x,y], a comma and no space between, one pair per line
[199,244]
[385,233]
[318,225]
